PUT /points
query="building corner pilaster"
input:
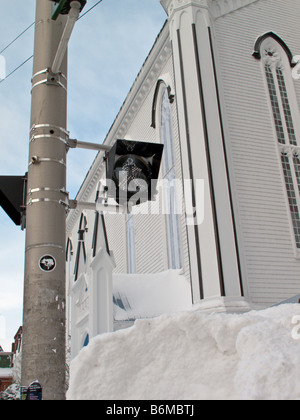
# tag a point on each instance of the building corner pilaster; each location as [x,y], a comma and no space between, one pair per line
[172,6]
[175,9]
[215,266]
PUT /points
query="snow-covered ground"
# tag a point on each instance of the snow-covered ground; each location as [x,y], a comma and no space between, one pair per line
[192,355]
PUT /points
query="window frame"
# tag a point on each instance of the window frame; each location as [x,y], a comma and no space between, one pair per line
[131,250]
[274,56]
[173,225]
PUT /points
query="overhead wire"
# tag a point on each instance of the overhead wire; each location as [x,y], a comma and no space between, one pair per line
[88,11]
[9,45]
[19,36]
[17,68]
[22,33]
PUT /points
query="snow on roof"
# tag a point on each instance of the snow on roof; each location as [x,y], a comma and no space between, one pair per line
[139,296]
[5,373]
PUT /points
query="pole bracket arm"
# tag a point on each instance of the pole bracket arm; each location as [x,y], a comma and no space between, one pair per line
[63,45]
[100,207]
[48,77]
[73,144]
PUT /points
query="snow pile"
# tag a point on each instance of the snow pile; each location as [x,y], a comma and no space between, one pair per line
[12,393]
[194,356]
[151,295]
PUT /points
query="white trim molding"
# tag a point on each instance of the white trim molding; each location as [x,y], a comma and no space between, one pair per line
[217,8]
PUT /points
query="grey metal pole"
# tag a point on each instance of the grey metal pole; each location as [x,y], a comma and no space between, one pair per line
[44,284]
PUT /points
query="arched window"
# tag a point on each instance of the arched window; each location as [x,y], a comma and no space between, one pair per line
[277,65]
[131,244]
[86,340]
[81,251]
[169,174]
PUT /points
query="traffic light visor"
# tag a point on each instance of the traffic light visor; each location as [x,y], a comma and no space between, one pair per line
[134,166]
[12,196]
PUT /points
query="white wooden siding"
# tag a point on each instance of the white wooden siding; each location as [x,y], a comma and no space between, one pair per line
[117,238]
[270,269]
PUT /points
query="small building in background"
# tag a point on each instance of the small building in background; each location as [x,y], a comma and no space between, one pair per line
[6,365]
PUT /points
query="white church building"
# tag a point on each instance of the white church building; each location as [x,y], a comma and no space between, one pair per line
[221,90]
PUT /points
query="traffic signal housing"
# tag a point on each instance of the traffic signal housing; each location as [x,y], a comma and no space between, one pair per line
[133,170]
[63,7]
[13,191]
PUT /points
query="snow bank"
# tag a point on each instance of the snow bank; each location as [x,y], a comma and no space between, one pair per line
[194,356]
[12,393]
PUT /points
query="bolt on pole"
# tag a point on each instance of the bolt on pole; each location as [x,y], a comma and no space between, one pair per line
[44,340]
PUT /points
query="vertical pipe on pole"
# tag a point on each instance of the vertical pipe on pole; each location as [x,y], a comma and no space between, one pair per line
[72,18]
[44,283]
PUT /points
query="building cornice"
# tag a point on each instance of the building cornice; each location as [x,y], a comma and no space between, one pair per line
[217,8]
[172,6]
[220,8]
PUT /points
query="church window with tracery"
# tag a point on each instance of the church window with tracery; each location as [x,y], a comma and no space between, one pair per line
[169,174]
[278,74]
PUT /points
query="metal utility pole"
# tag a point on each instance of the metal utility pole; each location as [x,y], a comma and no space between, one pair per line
[44,288]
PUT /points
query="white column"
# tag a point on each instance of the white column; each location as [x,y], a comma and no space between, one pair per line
[44,349]
[101,294]
[213,247]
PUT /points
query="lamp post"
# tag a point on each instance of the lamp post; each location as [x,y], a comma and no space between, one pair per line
[44,283]
[47,200]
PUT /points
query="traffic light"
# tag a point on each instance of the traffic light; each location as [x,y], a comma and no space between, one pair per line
[13,191]
[133,169]
[62,7]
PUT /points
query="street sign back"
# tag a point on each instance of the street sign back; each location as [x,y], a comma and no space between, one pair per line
[57,8]
[62,7]
[35,392]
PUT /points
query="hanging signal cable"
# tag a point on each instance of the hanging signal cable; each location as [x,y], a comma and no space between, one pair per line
[22,33]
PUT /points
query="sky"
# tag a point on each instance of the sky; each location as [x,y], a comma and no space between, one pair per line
[107,49]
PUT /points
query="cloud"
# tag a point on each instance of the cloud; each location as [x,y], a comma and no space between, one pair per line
[10,301]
